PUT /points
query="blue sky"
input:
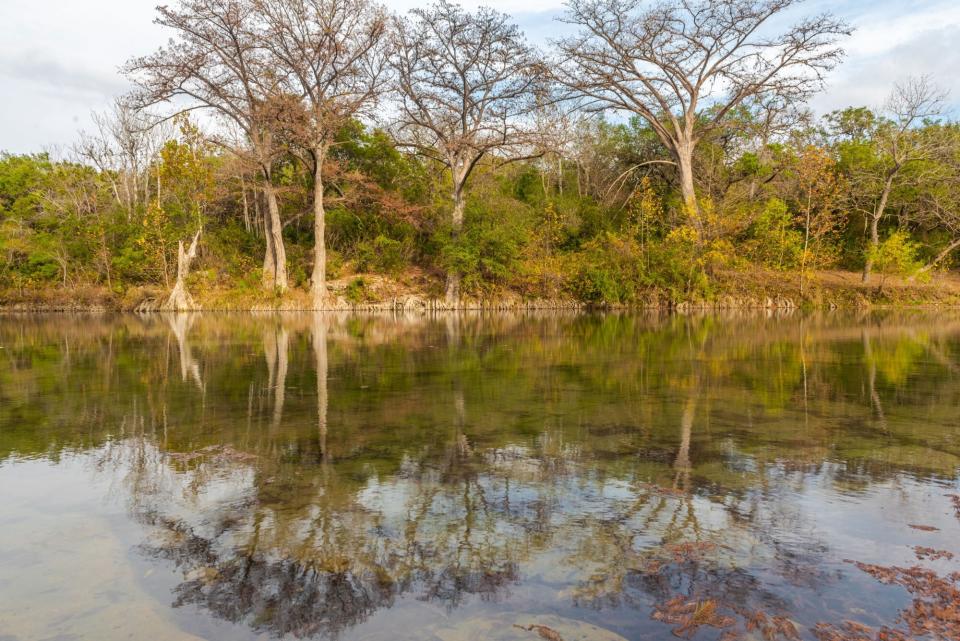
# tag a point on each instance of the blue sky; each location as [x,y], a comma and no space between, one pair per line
[59,58]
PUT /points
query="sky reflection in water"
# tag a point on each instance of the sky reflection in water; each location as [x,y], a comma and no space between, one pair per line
[618,476]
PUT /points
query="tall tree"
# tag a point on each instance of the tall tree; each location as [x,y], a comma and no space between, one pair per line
[887,149]
[124,145]
[815,189]
[683,66]
[217,63]
[464,82]
[939,199]
[331,55]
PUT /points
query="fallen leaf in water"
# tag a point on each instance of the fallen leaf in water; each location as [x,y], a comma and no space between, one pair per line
[931,553]
[690,615]
[924,528]
[955,499]
[545,632]
[853,631]
[935,609]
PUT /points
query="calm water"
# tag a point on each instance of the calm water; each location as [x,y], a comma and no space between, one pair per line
[608,477]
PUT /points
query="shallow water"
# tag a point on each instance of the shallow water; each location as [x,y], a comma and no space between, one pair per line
[453,478]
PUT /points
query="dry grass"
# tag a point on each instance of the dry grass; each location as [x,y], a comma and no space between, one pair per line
[758,288]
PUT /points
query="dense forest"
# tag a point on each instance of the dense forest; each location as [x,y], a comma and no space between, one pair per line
[320,153]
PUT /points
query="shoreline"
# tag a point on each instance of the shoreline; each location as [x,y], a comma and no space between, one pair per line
[764,291]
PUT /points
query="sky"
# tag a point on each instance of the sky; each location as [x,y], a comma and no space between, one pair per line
[59,59]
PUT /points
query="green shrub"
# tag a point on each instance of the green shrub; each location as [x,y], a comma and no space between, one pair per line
[485,254]
[356,291]
[609,270]
[897,255]
[130,265]
[382,254]
[772,240]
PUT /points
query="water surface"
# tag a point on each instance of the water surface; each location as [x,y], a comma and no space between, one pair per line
[452,478]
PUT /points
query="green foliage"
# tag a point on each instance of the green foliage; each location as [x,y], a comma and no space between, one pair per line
[602,223]
[356,291]
[609,270]
[897,255]
[773,240]
[21,181]
[484,254]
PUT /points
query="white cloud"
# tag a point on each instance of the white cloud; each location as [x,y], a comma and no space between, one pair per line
[867,80]
[59,58]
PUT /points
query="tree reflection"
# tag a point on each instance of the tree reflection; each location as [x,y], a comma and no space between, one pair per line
[315,469]
[180,324]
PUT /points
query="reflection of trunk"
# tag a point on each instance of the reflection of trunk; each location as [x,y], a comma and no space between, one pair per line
[319,280]
[275,343]
[180,299]
[180,324]
[682,463]
[280,391]
[803,363]
[320,354]
[463,444]
[872,381]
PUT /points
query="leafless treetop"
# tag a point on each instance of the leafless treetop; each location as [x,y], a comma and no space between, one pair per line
[464,80]
[332,54]
[672,61]
[216,63]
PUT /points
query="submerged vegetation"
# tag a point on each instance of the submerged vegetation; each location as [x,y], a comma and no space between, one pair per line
[474,476]
[441,155]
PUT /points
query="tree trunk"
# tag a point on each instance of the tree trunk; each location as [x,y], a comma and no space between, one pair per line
[806,247]
[246,207]
[872,247]
[875,224]
[257,224]
[269,259]
[276,239]
[684,154]
[939,257]
[180,299]
[453,278]
[319,278]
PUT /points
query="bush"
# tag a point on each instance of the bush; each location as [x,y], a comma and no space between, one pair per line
[130,265]
[772,240]
[42,267]
[610,270]
[895,256]
[356,292]
[486,253]
[383,254]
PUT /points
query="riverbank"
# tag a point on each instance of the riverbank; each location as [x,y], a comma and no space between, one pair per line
[374,292]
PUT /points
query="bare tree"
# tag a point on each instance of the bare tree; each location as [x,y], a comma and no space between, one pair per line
[217,63]
[939,209]
[683,65]
[122,148]
[331,54]
[464,82]
[900,145]
[180,299]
